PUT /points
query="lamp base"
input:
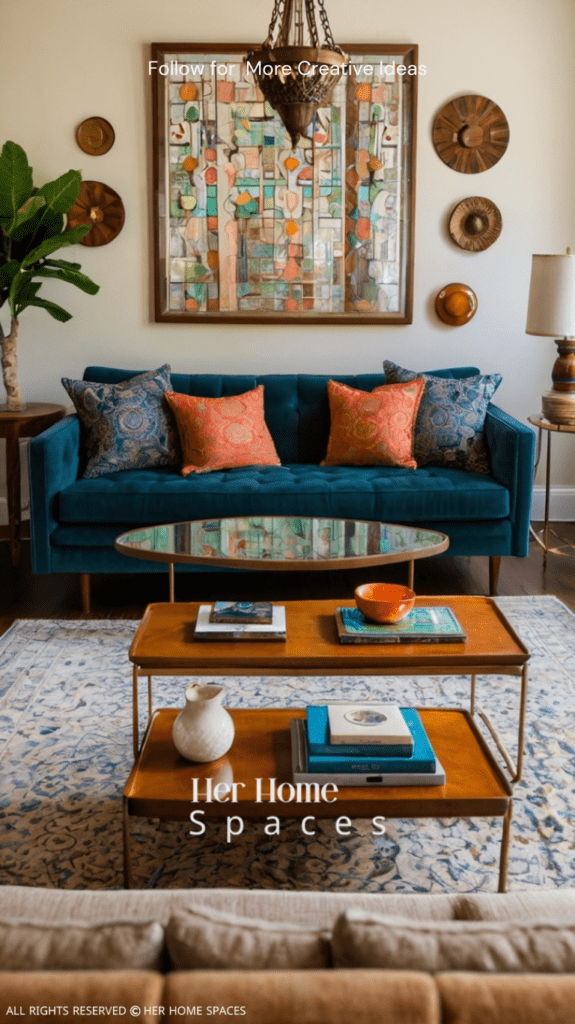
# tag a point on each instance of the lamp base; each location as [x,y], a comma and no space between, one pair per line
[559,407]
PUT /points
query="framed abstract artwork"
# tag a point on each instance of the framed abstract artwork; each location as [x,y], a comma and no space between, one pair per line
[248,229]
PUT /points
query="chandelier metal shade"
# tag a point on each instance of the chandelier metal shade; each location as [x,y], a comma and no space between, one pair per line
[295,73]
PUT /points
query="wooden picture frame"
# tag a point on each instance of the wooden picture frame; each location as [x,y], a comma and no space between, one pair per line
[247,230]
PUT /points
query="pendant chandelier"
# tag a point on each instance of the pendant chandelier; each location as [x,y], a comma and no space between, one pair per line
[295,73]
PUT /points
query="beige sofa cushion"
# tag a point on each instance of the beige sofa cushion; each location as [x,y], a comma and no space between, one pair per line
[68,946]
[317,909]
[208,938]
[531,905]
[70,990]
[308,997]
[505,998]
[361,940]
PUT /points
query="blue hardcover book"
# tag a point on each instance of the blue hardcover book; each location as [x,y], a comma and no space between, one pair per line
[318,742]
[421,761]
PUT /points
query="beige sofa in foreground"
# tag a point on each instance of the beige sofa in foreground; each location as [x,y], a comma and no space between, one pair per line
[278,957]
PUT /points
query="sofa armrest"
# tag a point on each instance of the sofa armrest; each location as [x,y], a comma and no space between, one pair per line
[53,463]
[511,447]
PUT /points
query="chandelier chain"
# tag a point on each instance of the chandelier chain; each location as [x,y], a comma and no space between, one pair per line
[331,45]
[277,12]
[310,14]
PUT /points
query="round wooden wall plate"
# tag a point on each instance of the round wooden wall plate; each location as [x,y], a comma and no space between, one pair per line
[456,304]
[470,134]
[101,207]
[95,136]
[475,224]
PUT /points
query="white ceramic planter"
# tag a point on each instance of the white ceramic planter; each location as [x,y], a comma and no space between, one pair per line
[204,730]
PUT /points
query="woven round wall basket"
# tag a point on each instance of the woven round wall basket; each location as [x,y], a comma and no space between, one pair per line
[475,224]
[95,136]
[470,134]
[456,304]
[100,206]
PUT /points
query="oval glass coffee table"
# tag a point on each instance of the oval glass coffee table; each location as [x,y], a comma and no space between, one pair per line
[281,543]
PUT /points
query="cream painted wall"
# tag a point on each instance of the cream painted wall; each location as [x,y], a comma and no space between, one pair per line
[63,60]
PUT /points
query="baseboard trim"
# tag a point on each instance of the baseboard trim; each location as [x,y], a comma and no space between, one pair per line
[561,504]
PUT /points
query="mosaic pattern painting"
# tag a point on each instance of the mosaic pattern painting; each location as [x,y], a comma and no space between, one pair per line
[251,229]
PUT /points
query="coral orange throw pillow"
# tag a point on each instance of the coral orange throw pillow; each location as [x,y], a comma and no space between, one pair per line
[373,429]
[223,433]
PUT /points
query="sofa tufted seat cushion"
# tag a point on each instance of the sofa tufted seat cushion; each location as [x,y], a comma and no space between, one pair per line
[388,494]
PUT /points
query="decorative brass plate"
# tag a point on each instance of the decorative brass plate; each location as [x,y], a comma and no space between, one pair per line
[101,207]
[470,134]
[456,304]
[475,223]
[95,136]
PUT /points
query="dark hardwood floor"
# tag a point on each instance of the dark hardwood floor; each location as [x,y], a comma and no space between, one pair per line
[25,595]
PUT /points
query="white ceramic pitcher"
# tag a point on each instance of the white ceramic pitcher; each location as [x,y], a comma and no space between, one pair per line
[203,730]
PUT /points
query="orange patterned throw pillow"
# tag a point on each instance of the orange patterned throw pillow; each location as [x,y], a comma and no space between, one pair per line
[223,433]
[373,429]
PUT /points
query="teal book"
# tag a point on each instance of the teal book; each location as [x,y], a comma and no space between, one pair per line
[422,759]
[422,625]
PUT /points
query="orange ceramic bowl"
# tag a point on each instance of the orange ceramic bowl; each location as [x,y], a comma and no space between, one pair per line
[384,602]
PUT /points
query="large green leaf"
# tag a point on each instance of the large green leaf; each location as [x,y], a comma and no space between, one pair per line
[20,283]
[56,311]
[65,264]
[25,295]
[26,212]
[62,193]
[44,224]
[15,179]
[70,276]
[7,272]
[50,245]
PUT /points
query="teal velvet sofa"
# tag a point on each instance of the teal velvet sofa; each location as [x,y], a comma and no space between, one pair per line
[74,522]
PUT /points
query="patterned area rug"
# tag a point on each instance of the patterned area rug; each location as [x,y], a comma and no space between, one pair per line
[65,741]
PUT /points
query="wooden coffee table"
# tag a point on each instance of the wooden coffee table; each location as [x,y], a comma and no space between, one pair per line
[161,782]
[164,645]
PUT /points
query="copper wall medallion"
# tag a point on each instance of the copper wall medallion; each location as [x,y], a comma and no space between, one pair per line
[470,134]
[456,304]
[101,207]
[95,136]
[475,224]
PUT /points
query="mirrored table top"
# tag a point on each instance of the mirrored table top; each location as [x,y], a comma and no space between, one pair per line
[281,542]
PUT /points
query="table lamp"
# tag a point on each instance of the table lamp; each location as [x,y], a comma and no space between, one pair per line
[551,313]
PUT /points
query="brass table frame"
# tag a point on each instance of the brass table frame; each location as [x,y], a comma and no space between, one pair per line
[268,665]
[438,803]
[542,536]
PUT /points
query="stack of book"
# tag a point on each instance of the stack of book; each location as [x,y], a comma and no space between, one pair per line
[425,625]
[241,620]
[363,745]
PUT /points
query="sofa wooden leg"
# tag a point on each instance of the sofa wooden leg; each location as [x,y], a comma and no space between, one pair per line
[494,567]
[85,591]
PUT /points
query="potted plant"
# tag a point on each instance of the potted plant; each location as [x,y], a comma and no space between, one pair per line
[31,230]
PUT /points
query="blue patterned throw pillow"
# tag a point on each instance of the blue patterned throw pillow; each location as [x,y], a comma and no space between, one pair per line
[128,425]
[451,417]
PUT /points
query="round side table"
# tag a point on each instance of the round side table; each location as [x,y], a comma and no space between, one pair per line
[32,420]
[542,536]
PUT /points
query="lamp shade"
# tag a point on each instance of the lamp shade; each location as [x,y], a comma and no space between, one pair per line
[551,310]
